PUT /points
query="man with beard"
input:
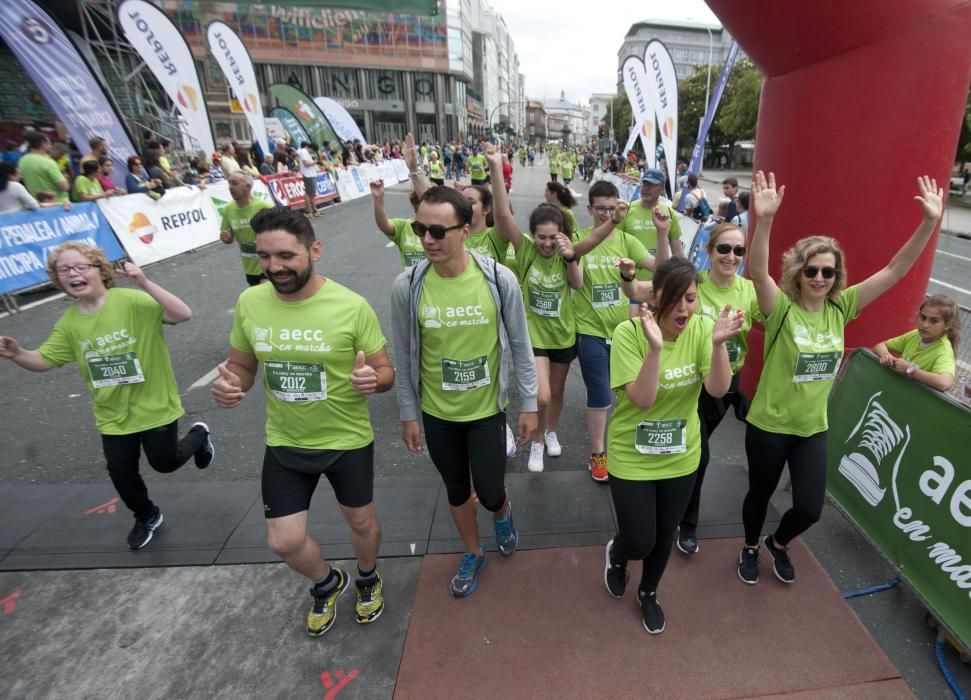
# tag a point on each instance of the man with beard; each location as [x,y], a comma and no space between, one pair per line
[323,353]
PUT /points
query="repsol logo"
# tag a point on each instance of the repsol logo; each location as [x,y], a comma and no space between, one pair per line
[237,73]
[110,338]
[183,218]
[662,95]
[154,44]
[302,334]
[681,372]
[463,311]
[641,107]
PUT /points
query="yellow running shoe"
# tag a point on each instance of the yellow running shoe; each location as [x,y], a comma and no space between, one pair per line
[370,600]
[324,611]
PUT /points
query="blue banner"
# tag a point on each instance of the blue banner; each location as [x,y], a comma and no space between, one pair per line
[27,237]
[63,77]
[326,187]
[695,165]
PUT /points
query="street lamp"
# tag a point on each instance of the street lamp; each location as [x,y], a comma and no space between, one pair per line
[492,112]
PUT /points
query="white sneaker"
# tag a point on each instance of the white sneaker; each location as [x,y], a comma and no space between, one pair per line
[535,463]
[553,448]
[510,443]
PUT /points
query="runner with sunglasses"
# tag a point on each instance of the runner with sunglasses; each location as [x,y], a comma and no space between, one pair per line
[805,315]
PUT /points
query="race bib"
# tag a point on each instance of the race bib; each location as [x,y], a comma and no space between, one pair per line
[113,370]
[247,249]
[462,375]
[816,366]
[413,257]
[296,381]
[545,303]
[605,295]
[660,437]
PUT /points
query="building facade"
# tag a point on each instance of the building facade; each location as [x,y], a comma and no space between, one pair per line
[572,121]
[599,112]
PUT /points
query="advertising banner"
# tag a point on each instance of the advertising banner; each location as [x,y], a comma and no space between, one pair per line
[237,66]
[219,193]
[27,237]
[291,125]
[898,468]
[636,84]
[288,190]
[63,77]
[662,86]
[167,55]
[339,118]
[155,229]
[350,184]
[400,169]
[307,113]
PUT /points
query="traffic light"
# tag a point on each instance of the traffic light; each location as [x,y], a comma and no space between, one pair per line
[600,130]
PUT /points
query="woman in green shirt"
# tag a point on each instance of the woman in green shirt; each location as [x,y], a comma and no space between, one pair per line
[560,196]
[804,319]
[658,365]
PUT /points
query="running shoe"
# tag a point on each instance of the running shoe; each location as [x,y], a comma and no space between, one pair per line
[553,448]
[748,565]
[510,443]
[370,599]
[141,533]
[467,576]
[653,616]
[324,611]
[687,543]
[535,463]
[781,566]
[598,467]
[615,573]
[205,454]
[507,534]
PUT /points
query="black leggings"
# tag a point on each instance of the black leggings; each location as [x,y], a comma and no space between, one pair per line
[165,453]
[647,518]
[767,456]
[470,453]
[710,413]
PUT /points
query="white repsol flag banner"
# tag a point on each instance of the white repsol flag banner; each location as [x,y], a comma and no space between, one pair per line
[636,86]
[150,230]
[237,66]
[164,50]
[662,86]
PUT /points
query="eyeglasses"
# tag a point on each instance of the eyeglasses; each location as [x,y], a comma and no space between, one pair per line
[811,271]
[435,231]
[605,210]
[726,248]
[79,268]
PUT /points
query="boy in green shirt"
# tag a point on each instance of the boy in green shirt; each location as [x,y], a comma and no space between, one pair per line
[39,172]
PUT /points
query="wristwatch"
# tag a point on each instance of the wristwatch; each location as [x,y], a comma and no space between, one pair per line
[569,260]
[911,371]
[626,278]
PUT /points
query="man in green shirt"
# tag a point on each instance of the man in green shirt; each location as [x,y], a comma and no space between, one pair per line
[39,172]
[639,221]
[323,354]
[235,224]
[477,169]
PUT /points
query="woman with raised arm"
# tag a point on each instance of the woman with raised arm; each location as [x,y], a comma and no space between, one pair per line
[804,319]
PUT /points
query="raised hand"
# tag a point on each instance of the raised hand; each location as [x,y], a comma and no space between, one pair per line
[662,221]
[765,197]
[492,154]
[8,347]
[377,189]
[627,267]
[226,389]
[727,324]
[652,331]
[364,378]
[410,153]
[133,272]
[564,246]
[931,198]
[621,211]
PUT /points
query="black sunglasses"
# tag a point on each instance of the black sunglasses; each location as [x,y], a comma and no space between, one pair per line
[726,248]
[437,232]
[811,271]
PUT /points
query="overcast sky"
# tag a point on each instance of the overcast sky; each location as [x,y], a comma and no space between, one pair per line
[572,45]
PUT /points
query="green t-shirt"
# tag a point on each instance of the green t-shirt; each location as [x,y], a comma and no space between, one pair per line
[639,222]
[39,172]
[554,165]
[739,295]
[633,171]
[477,167]
[568,213]
[408,242]
[600,304]
[236,219]
[547,297]
[435,170]
[510,261]
[937,357]
[459,372]
[566,166]
[307,350]
[664,441]
[122,358]
[487,243]
[85,185]
[804,350]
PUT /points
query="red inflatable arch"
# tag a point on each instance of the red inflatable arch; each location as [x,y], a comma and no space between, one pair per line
[859,98]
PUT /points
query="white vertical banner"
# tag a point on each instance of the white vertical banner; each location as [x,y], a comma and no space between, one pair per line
[237,66]
[662,85]
[636,84]
[166,53]
[339,118]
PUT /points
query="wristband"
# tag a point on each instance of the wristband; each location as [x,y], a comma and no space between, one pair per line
[627,279]
[569,260]
[911,371]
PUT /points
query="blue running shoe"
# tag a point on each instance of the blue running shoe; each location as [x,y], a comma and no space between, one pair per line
[467,576]
[507,534]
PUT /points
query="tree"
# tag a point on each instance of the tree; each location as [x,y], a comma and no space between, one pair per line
[622,117]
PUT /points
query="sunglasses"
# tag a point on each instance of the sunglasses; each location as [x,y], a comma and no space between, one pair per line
[726,248]
[435,231]
[811,271]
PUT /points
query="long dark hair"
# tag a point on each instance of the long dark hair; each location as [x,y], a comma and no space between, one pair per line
[672,279]
[563,195]
[546,213]
[7,171]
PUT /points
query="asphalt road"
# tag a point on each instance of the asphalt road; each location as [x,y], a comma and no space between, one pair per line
[49,437]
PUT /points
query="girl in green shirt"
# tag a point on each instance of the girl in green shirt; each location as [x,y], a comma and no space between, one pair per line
[927,354]
[804,319]
[658,365]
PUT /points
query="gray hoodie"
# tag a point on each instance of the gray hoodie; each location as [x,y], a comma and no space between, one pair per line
[514,341]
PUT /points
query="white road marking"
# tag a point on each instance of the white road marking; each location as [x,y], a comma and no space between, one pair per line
[412,547]
[951,286]
[205,379]
[954,255]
